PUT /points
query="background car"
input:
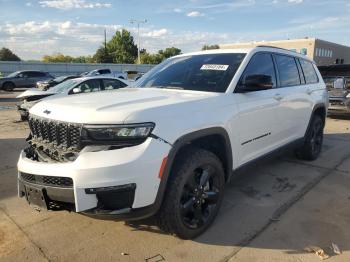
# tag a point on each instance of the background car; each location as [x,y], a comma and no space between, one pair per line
[106,71]
[23,79]
[339,93]
[68,87]
[44,85]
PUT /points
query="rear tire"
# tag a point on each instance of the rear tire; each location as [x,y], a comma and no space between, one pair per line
[194,194]
[8,86]
[312,146]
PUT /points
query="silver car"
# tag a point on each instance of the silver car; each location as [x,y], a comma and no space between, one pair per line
[23,79]
[339,94]
[68,87]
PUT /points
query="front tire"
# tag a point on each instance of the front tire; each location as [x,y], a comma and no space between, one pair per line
[312,146]
[194,194]
[8,86]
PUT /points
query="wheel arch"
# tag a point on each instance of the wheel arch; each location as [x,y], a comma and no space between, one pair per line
[194,139]
[8,82]
[319,109]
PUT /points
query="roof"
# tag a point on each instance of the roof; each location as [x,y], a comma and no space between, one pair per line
[246,51]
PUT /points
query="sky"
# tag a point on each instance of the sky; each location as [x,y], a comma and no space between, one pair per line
[34,28]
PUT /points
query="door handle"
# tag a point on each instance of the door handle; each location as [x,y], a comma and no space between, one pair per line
[309,91]
[278,97]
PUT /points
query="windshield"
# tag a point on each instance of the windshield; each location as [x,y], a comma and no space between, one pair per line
[62,87]
[59,79]
[13,74]
[207,72]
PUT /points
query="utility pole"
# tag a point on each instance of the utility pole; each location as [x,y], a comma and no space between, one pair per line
[105,41]
[138,22]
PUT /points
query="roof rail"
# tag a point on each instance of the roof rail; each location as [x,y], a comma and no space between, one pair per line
[270,46]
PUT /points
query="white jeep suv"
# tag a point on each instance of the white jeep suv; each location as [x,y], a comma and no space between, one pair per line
[168,146]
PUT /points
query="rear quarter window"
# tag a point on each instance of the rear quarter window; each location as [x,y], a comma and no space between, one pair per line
[309,71]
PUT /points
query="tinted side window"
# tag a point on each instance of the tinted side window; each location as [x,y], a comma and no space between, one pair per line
[288,70]
[104,71]
[110,84]
[35,74]
[309,72]
[261,64]
[90,86]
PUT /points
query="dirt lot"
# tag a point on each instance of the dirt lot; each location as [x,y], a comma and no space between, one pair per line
[271,212]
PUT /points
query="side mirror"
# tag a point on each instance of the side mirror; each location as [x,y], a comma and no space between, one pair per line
[256,83]
[76,90]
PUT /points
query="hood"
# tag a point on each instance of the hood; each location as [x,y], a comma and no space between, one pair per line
[5,78]
[114,107]
[34,92]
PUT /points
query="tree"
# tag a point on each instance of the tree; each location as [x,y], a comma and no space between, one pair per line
[7,55]
[157,58]
[57,58]
[169,52]
[210,47]
[122,48]
[83,59]
[61,58]
[102,56]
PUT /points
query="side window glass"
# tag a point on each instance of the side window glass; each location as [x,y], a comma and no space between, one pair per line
[288,70]
[260,69]
[309,72]
[90,86]
[111,84]
[34,74]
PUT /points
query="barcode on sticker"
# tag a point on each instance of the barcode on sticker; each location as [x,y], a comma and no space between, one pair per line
[214,67]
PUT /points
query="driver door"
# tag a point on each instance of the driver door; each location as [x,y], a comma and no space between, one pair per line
[257,122]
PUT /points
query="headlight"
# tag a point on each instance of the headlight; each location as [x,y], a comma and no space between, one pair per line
[117,132]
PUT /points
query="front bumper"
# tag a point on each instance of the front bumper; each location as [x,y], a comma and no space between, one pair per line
[107,171]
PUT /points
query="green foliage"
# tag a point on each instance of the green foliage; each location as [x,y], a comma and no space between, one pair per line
[61,58]
[157,58]
[210,47]
[122,48]
[7,55]
[102,56]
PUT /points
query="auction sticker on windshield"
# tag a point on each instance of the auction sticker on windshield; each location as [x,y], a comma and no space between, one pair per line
[214,67]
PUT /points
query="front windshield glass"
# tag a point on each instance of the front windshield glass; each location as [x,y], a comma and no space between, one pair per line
[59,79]
[13,74]
[64,86]
[206,72]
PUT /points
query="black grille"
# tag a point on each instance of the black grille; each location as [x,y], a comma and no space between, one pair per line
[56,181]
[62,134]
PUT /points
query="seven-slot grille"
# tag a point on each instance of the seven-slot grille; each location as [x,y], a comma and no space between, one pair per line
[58,133]
[56,181]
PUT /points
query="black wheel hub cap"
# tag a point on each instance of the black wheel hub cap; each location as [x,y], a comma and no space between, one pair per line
[199,197]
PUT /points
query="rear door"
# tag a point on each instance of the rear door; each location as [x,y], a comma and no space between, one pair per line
[293,100]
[33,77]
[257,111]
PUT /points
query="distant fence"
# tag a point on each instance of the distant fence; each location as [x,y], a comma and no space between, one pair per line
[58,69]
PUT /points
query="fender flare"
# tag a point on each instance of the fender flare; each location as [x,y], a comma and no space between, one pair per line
[186,140]
[317,106]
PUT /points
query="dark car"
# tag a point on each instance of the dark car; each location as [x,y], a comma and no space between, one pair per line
[23,79]
[45,85]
